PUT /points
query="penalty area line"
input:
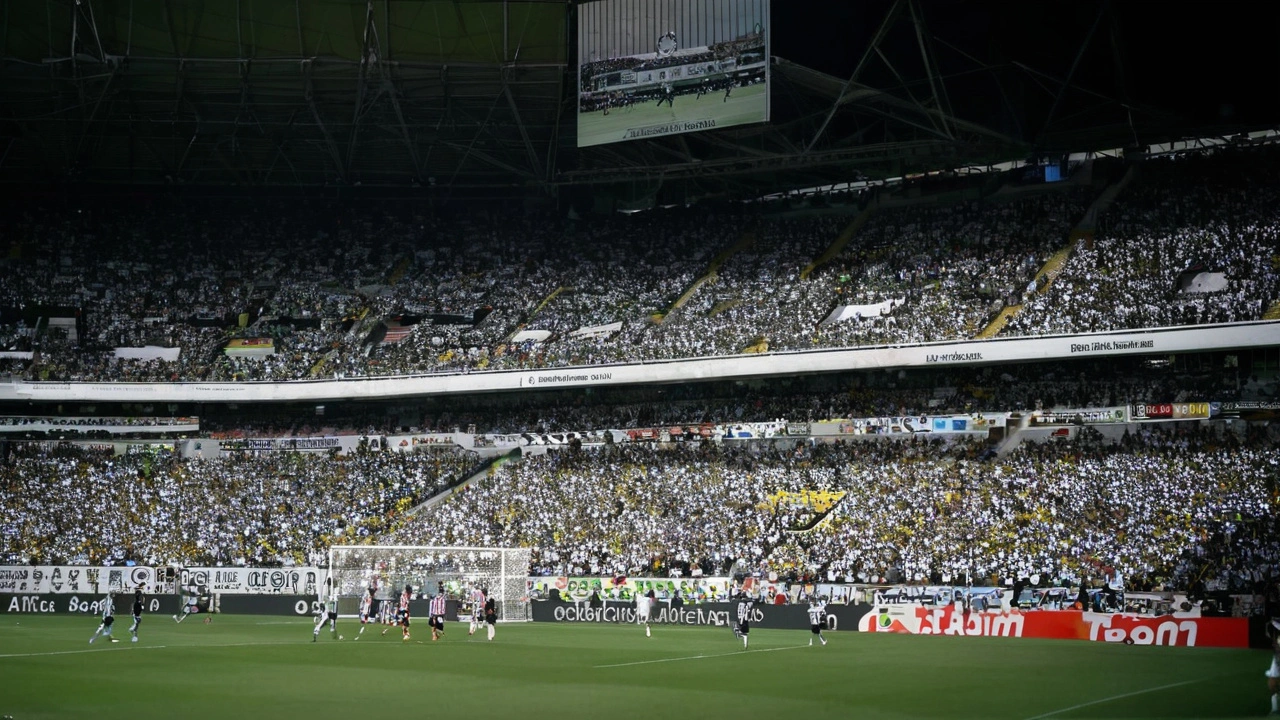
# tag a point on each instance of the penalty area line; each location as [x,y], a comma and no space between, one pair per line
[699,657]
[1114,697]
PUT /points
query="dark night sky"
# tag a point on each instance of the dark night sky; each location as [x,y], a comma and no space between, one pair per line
[1208,64]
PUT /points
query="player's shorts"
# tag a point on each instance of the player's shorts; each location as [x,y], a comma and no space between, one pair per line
[1274,672]
[642,617]
[108,620]
[364,618]
[437,622]
[137,620]
[404,620]
[491,619]
[816,628]
[744,628]
[332,616]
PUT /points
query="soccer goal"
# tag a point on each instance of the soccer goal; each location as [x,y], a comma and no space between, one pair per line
[353,569]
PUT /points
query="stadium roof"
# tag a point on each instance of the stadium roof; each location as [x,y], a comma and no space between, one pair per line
[480,93]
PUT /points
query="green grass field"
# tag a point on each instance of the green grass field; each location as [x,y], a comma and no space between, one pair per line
[250,667]
[745,105]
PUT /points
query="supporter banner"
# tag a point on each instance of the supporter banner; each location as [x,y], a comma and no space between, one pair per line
[1246,409]
[1093,416]
[413,442]
[17,354]
[775,617]
[597,331]
[114,426]
[250,347]
[1202,282]
[938,424]
[84,604]
[798,428]
[255,581]
[534,336]
[1060,625]
[848,312]
[282,444]
[74,579]
[1162,341]
[751,430]
[595,437]
[1172,411]
[150,352]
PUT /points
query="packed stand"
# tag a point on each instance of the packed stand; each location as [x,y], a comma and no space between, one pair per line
[1148,506]
[947,270]
[1182,216]
[66,504]
[346,291]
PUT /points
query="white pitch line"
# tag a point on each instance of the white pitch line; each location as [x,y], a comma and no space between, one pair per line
[699,657]
[81,652]
[1113,697]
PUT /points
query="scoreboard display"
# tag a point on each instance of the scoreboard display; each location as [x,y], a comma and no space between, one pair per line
[661,67]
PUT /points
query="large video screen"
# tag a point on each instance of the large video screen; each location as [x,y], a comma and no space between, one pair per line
[660,67]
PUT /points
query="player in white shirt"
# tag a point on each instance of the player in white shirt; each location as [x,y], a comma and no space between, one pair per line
[744,604]
[644,607]
[817,618]
[477,610]
[108,619]
[328,612]
[1273,674]
[190,603]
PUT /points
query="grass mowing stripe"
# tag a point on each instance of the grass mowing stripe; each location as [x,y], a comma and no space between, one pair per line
[1113,697]
[545,665]
[698,657]
[131,647]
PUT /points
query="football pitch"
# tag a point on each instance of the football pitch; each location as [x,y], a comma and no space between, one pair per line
[247,667]
[745,105]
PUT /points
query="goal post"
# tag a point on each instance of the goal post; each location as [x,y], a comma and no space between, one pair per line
[504,571]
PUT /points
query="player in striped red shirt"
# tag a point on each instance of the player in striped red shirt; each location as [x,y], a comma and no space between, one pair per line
[366,611]
[436,619]
[402,614]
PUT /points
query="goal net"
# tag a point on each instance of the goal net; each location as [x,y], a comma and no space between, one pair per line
[353,569]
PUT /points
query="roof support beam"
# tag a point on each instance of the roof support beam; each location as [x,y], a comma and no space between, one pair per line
[524,132]
[1075,64]
[309,93]
[471,151]
[935,85]
[857,70]
[280,153]
[367,58]
[554,143]
[297,15]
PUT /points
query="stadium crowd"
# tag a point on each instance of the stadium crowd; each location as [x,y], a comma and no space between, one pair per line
[347,290]
[69,504]
[1182,216]
[1182,507]
[1148,506]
